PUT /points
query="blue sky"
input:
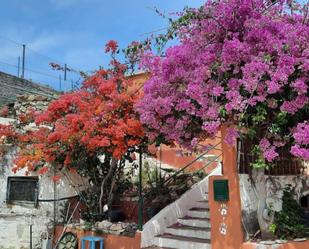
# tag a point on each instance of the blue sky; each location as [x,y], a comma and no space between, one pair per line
[74,31]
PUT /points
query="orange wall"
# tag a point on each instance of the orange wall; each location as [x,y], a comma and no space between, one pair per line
[110,241]
[233,238]
[138,81]
[292,245]
[172,157]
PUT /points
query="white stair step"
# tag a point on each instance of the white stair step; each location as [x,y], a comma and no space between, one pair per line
[199,213]
[182,242]
[188,231]
[202,204]
[194,222]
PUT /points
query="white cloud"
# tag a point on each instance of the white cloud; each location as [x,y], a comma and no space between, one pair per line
[45,41]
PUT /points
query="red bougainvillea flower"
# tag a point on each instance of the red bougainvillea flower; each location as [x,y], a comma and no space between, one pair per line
[43,170]
[56,178]
[97,119]
[111,46]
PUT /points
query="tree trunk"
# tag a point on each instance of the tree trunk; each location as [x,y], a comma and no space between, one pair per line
[264,215]
[113,166]
[111,194]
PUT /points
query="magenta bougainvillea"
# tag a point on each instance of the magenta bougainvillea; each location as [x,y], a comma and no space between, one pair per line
[243,62]
[301,136]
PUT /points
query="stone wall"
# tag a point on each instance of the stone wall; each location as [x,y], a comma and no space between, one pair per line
[25,103]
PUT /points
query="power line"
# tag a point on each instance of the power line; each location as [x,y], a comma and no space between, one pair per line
[10,40]
[38,53]
[33,71]
[30,70]
[52,59]
[67,83]
[42,55]
[154,31]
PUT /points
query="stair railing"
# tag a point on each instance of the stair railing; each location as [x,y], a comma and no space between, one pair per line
[142,197]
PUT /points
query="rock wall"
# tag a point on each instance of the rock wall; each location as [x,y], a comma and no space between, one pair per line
[26,103]
[274,186]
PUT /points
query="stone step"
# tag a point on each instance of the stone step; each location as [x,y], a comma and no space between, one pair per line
[202,204]
[205,196]
[181,242]
[188,231]
[198,212]
[194,222]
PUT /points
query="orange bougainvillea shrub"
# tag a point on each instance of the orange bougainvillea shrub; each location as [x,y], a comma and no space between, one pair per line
[98,119]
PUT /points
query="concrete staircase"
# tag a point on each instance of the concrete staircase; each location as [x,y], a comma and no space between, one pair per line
[185,223]
[190,232]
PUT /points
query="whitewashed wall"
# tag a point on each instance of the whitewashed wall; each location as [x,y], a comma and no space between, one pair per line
[15,220]
[274,186]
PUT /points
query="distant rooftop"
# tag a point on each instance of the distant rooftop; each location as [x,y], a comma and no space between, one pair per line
[11,87]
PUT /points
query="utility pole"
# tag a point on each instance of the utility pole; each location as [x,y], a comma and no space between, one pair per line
[23,62]
[18,66]
[65,72]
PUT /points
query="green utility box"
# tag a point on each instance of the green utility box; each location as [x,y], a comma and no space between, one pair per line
[221,190]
